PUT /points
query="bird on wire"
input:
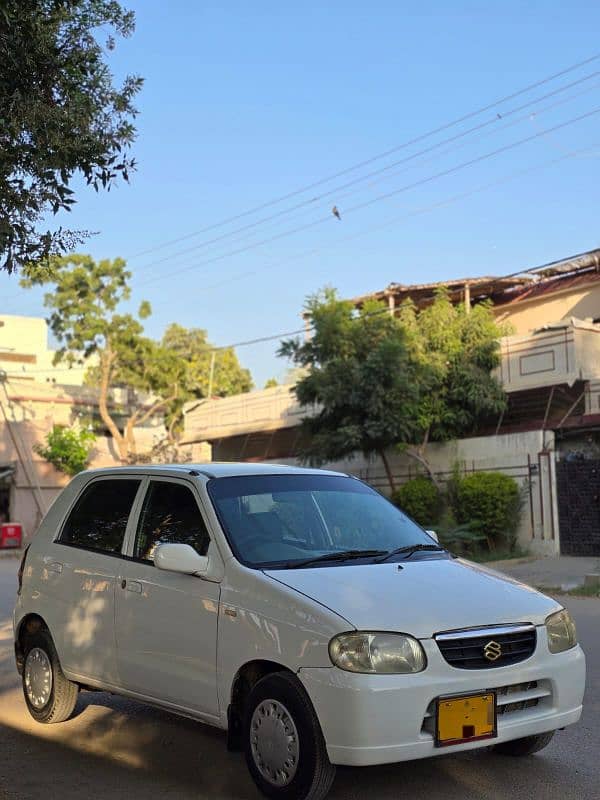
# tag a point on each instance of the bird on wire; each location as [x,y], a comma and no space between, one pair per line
[336,213]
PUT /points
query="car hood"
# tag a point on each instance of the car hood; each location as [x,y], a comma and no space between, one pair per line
[422,598]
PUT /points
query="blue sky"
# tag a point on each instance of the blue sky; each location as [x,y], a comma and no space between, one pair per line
[245,102]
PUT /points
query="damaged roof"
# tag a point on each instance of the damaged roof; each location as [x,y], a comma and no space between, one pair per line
[568,273]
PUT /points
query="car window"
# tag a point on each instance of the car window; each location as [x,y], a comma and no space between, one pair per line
[170,515]
[99,518]
[273,519]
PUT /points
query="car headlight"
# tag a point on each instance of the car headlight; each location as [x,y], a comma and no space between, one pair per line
[561,631]
[375,653]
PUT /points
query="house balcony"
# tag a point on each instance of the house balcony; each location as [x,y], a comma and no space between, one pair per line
[560,353]
[565,354]
[263,411]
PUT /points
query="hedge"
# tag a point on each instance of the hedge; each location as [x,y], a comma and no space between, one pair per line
[420,499]
[490,503]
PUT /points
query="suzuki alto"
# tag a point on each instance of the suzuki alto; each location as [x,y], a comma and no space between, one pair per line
[296,609]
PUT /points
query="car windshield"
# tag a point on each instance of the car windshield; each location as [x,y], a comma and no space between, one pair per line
[280,521]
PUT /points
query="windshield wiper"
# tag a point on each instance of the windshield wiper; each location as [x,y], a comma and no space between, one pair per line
[340,555]
[409,549]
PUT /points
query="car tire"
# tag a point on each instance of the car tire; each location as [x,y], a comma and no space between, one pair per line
[524,747]
[284,746]
[49,695]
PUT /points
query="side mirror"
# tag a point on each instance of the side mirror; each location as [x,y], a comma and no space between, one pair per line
[433,535]
[180,558]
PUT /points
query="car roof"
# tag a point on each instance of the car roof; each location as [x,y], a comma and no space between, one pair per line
[226,469]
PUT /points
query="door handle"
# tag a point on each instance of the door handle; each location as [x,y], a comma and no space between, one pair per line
[131,586]
[54,566]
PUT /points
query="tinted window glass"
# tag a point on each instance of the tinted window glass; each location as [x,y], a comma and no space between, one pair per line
[99,518]
[270,519]
[170,515]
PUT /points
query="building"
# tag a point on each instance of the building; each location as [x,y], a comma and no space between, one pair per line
[549,436]
[35,394]
[525,300]
[25,354]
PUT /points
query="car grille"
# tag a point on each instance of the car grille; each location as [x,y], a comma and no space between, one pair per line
[509,699]
[485,648]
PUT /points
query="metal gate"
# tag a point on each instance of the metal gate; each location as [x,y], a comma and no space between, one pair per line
[578,492]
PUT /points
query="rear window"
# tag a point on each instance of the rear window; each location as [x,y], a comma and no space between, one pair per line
[99,517]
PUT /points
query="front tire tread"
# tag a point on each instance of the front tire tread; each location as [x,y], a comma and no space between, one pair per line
[63,697]
[315,772]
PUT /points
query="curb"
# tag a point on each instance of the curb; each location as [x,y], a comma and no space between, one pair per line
[510,562]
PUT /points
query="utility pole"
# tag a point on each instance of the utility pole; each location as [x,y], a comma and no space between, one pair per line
[212,373]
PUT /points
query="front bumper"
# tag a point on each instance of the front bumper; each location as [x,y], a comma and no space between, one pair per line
[380,719]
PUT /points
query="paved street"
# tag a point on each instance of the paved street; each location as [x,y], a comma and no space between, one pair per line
[564,572]
[119,749]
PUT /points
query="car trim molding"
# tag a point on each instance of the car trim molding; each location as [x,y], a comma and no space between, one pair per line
[493,630]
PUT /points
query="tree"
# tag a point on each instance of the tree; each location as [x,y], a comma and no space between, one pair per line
[375,381]
[360,382]
[271,383]
[60,116]
[458,350]
[85,321]
[192,345]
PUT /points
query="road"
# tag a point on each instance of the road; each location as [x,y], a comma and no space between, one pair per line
[119,749]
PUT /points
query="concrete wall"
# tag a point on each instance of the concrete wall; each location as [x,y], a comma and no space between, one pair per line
[36,483]
[508,453]
[263,410]
[582,302]
[32,409]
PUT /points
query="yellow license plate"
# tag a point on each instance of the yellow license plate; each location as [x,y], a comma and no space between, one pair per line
[466,718]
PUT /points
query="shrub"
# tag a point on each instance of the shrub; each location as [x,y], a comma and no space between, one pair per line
[67,449]
[490,503]
[420,499]
[461,539]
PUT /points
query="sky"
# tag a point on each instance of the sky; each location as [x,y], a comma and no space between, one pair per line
[245,103]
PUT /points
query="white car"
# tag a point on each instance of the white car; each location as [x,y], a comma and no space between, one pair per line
[296,609]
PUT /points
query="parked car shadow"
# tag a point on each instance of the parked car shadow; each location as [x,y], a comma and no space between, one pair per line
[118,748]
[139,751]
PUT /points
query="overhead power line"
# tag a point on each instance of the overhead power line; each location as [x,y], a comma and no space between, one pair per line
[311,201]
[338,192]
[396,219]
[380,226]
[278,336]
[308,328]
[379,198]
[366,162]
[341,195]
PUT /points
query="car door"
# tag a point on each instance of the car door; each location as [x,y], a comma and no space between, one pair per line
[166,622]
[79,573]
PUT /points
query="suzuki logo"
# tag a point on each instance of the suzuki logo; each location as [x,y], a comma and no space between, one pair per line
[492,651]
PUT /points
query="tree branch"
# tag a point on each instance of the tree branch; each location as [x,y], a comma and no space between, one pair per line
[388,469]
[139,420]
[412,453]
[107,360]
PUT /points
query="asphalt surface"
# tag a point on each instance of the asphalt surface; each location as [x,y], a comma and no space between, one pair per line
[564,572]
[118,749]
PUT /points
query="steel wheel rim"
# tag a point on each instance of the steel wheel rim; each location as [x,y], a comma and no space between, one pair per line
[38,678]
[274,742]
